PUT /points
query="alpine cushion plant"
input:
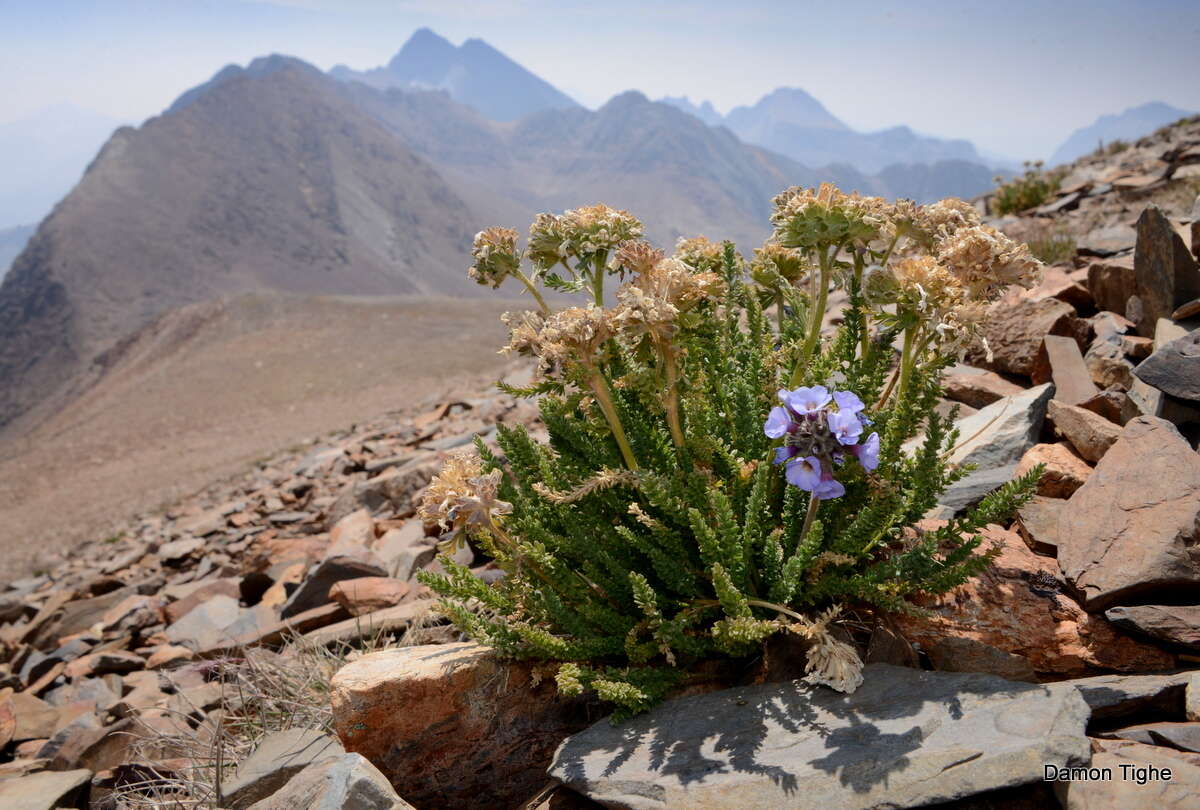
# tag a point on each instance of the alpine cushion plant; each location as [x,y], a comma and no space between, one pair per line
[721,467]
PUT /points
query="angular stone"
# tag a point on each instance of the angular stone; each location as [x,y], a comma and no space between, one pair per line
[355,532]
[1123,792]
[1089,433]
[955,654]
[1114,405]
[1133,527]
[1174,368]
[314,590]
[1191,703]
[226,586]
[278,758]
[443,721]
[406,550]
[1166,274]
[204,626]
[368,594]
[1066,369]
[35,719]
[1037,522]
[977,387]
[1118,696]
[1015,329]
[1184,736]
[905,738]
[43,791]
[994,439]
[1107,365]
[390,490]
[1174,624]
[1017,606]
[104,662]
[347,782]
[175,552]
[1111,282]
[1065,472]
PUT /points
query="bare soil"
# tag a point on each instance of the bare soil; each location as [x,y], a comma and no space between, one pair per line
[205,391]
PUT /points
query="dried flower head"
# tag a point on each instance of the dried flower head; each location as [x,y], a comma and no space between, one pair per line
[462,497]
[700,253]
[636,256]
[986,262]
[653,301]
[815,219]
[572,335]
[496,256]
[831,662]
[596,228]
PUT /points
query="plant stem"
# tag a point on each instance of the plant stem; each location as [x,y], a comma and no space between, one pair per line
[809,516]
[533,291]
[604,400]
[815,318]
[671,400]
[598,262]
[866,319]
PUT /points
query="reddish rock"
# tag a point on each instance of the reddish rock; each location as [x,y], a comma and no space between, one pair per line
[1089,433]
[368,594]
[1015,329]
[1114,405]
[1165,272]
[450,725]
[167,654]
[1018,606]
[1065,471]
[1111,282]
[1134,528]
[228,586]
[978,387]
[354,532]
[1059,360]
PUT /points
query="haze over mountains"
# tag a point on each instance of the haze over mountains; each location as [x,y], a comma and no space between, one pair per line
[277,178]
[1129,125]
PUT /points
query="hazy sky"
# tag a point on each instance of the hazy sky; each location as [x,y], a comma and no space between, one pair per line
[1016,77]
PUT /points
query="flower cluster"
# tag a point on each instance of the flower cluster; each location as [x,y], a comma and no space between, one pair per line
[496,256]
[570,335]
[700,253]
[462,497]
[805,218]
[580,233]
[789,263]
[817,437]
[986,262]
[653,301]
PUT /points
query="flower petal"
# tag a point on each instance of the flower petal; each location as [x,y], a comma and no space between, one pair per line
[778,422]
[804,473]
[848,401]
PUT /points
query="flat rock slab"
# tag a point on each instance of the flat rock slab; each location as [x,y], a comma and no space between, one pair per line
[1174,368]
[42,791]
[906,738]
[346,782]
[278,758]
[1177,624]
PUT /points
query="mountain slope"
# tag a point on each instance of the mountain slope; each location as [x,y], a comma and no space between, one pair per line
[42,156]
[12,242]
[270,179]
[1129,125]
[475,74]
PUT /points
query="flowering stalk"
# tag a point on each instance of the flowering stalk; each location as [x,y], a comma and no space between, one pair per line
[816,317]
[671,398]
[524,279]
[599,387]
[598,263]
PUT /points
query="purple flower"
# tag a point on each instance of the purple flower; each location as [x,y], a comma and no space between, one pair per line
[806,400]
[829,487]
[804,473]
[868,452]
[786,453]
[848,401]
[778,422]
[845,427]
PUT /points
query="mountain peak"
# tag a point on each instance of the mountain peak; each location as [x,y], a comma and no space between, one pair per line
[474,73]
[789,105]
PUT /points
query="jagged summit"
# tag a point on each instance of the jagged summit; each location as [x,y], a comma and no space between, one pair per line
[475,74]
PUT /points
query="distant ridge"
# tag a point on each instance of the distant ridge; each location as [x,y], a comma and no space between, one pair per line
[475,74]
[1127,126]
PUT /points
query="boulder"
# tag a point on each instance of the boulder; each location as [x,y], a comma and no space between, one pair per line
[450,725]
[1089,433]
[1165,273]
[1037,522]
[314,590]
[1017,606]
[278,758]
[977,387]
[1015,328]
[1111,283]
[1174,368]
[994,439]
[1173,624]
[43,791]
[1132,528]
[1113,404]
[1064,471]
[905,738]
[368,594]
[1111,697]
[1123,789]
[346,782]
[1184,736]
[1060,361]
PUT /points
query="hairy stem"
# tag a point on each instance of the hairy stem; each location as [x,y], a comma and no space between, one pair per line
[533,291]
[816,316]
[671,399]
[604,399]
[809,516]
[598,262]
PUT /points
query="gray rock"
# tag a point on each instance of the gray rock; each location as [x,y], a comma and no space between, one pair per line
[1172,623]
[43,791]
[1114,696]
[391,490]
[994,439]
[204,626]
[1191,697]
[1165,272]
[1184,736]
[346,782]
[314,590]
[278,758]
[1174,368]
[406,550]
[905,738]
